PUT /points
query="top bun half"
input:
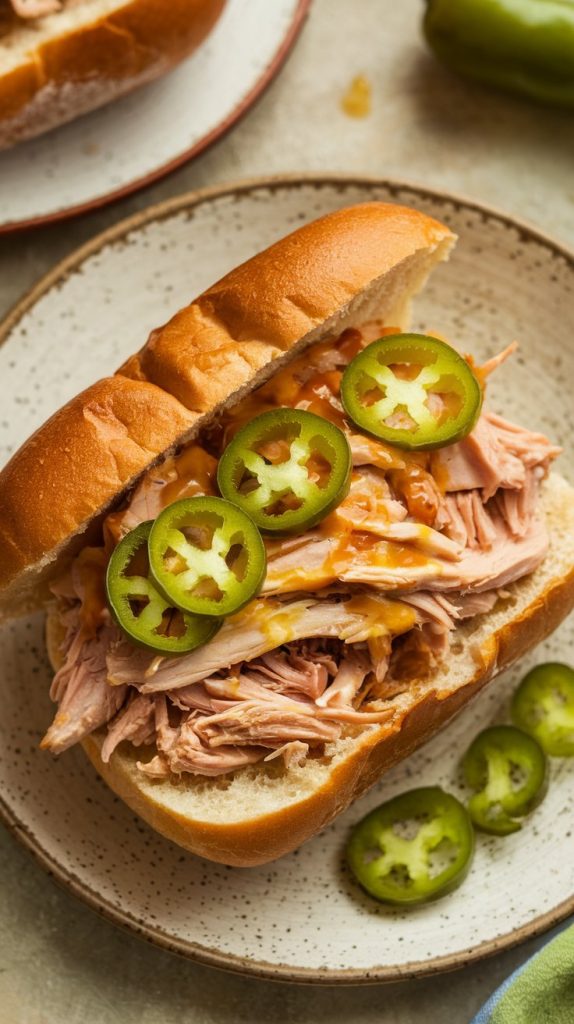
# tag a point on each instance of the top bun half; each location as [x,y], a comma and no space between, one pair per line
[355,265]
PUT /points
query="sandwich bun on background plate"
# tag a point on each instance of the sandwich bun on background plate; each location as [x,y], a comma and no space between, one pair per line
[61,60]
[356,266]
[89,52]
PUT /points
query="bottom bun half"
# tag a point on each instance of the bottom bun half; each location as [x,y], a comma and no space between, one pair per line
[264,811]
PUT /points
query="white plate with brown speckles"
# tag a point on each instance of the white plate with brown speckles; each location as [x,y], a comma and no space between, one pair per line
[301,918]
[142,137]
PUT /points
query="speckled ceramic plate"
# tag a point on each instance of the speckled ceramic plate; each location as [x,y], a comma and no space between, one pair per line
[130,143]
[300,918]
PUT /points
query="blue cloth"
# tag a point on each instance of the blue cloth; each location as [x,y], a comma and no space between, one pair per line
[541,991]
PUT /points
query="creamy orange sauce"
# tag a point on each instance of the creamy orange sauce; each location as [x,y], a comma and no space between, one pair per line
[347,546]
[395,616]
[304,381]
[367,549]
[417,487]
[299,381]
[193,471]
[438,471]
[85,579]
[303,579]
[88,572]
[311,381]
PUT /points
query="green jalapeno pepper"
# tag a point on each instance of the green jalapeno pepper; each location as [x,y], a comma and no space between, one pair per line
[142,612]
[414,848]
[287,468]
[543,706]
[521,46]
[508,769]
[206,555]
[412,391]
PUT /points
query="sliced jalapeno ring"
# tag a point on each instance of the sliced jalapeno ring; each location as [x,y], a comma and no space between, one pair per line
[508,769]
[142,612]
[543,706]
[412,391]
[287,469]
[206,555]
[414,848]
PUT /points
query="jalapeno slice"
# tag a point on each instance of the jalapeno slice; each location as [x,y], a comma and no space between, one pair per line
[508,769]
[287,468]
[206,555]
[414,848]
[142,612]
[412,391]
[543,706]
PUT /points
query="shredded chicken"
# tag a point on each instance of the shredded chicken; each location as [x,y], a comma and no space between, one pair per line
[495,455]
[265,723]
[251,633]
[418,549]
[518,507]
[368,452]
[292,673]
[353,669]
[351,612]
[419,653]
[135,722]
[469,523]
[435,607]
[491,365]
[86,700]
[293,752]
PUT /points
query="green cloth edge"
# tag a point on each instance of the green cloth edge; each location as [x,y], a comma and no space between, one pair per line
[544,989]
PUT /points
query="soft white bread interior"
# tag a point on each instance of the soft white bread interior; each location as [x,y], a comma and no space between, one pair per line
[54,68]
[263,811]
[358,264]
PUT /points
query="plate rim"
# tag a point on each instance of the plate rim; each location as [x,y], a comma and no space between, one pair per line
[236,114]
[153,934]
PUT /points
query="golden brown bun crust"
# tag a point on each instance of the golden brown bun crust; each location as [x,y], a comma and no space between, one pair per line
[77,462]
[93,448]
[263,307]
[270,836]
[138,42]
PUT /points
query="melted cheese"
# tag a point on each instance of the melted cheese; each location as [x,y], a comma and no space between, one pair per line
[388,617]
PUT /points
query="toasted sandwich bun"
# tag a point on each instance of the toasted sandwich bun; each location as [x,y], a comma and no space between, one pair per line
[361,263]
[54,68]
[262,812]
[355,266]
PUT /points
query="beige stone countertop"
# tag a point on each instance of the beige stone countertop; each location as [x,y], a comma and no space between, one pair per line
[58,960]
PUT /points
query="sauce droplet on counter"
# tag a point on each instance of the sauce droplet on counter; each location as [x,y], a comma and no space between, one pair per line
[357,100]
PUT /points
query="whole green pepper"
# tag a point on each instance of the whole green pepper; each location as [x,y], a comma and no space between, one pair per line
[522,46]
